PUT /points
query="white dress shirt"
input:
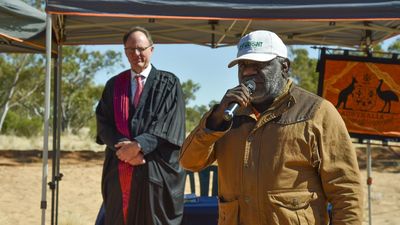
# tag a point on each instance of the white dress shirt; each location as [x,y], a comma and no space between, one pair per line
[145,73]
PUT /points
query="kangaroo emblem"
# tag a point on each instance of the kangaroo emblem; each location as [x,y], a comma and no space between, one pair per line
[344,94]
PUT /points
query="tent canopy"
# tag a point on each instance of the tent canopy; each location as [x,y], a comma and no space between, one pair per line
[350,23]
[22,27]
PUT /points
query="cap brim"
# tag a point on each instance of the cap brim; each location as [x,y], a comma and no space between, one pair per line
[254,57]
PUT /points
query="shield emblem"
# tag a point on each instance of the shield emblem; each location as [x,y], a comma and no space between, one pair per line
[364,97]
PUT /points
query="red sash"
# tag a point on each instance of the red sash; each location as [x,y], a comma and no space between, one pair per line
[121,117]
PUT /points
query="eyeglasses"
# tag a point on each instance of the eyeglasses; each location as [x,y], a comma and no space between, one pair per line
[139,49]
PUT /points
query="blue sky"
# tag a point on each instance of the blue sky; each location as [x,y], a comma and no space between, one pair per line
[203,65]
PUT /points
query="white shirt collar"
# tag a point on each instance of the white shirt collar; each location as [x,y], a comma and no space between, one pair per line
[144,73]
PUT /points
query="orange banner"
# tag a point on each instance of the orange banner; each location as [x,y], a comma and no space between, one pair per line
[366,94]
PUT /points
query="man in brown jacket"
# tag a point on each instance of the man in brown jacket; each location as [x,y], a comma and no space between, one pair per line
[285,154]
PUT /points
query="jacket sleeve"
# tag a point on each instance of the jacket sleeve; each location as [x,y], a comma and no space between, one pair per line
[198,150]
[339,169]
[168,125]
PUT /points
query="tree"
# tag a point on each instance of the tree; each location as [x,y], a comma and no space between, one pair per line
[23,84]
[20,75]
[395,46]
[193,114]
[303,70]
[189,89]
[79,92]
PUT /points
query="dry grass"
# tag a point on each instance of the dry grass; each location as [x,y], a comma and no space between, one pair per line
[68,142]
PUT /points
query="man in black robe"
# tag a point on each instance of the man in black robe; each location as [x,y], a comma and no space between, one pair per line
[141,119]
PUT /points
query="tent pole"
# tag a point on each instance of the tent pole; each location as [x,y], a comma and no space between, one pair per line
[369,180]
[56,176]
[58,126]
[53,183]
[43,203]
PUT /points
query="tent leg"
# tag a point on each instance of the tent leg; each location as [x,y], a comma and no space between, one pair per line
[52,183]
[369,180]
[43,203]
[58,126]
[56,175]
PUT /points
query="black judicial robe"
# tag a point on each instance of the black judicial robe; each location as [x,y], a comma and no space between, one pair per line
[158,124]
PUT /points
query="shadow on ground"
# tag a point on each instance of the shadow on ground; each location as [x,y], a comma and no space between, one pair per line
[384,158]
[18,157]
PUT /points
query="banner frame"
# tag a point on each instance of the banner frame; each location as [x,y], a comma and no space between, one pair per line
[346,55]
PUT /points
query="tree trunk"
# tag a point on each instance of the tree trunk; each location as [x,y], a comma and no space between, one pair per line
[3,115]
[6,107]
[11,91]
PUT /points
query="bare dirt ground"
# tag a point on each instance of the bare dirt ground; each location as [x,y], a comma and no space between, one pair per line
[80,197]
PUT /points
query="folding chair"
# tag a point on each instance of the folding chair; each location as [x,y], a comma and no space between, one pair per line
[204,179]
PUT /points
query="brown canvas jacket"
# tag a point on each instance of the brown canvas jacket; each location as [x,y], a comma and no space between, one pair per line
[284,167]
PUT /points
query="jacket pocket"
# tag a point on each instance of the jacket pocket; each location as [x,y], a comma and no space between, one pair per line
[292,207]
[228,213]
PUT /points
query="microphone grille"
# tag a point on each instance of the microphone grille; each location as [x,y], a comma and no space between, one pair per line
[251,85]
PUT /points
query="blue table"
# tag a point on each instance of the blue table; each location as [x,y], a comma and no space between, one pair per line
[204,211]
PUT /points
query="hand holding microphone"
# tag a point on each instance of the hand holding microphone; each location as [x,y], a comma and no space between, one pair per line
[239,95]
[233,107]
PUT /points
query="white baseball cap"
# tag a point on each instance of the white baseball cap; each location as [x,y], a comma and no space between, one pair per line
[261,46]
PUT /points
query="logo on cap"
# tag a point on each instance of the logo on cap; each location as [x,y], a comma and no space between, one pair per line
[250,44]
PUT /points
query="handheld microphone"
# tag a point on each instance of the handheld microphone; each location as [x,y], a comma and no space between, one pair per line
[231,110]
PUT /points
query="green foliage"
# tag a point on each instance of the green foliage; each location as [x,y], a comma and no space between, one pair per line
[189,89]
[79,92]
[23,76]
[193,114]
[16,124]
[81,107]
[29,69]
[92,125]
[303,70]
[395,46]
